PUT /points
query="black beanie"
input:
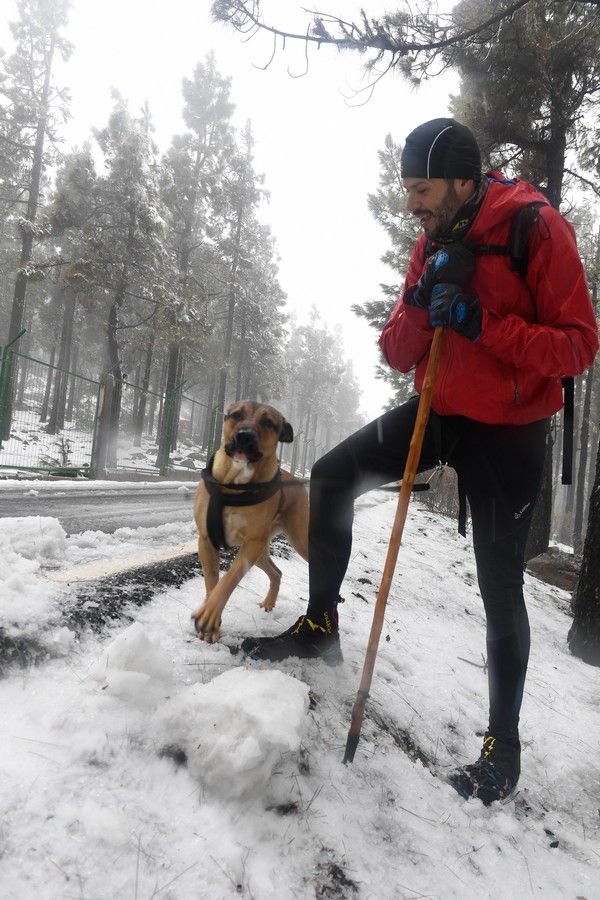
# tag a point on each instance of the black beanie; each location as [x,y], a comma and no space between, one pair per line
[441,148]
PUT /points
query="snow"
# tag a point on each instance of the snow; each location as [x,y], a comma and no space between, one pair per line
[26,544]
[144,763]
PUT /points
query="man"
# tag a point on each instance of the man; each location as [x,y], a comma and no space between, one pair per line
[509,341]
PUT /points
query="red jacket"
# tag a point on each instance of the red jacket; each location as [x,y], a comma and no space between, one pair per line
[534,329]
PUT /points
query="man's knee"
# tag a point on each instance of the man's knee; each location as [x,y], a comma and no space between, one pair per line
[334,466]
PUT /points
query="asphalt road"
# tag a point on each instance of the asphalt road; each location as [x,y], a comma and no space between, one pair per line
[102,510]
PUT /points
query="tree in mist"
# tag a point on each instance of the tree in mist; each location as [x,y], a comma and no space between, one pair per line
[414,40]
[69,214]
[128,258]
[528,87]
[387,205]
[193,168]
[584,634]
[30,107]
[241,194]
[259,331]
[313,371]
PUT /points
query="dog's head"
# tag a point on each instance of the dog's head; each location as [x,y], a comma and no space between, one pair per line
[253,430]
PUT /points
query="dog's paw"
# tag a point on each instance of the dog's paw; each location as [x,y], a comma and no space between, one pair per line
[268,604]
[207,624]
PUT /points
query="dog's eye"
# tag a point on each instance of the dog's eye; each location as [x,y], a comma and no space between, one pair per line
[236,415]
[267,423]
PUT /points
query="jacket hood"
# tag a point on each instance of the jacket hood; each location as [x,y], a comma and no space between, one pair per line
[504,196]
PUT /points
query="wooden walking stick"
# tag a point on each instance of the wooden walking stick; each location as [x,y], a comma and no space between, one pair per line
[410,470]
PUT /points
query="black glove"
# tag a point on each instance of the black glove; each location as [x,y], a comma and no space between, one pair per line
[451,264]
[462,312]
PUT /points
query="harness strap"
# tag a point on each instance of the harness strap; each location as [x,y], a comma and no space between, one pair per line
[243,495]
[568,425]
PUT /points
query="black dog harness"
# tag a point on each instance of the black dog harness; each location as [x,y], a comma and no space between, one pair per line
[244,495]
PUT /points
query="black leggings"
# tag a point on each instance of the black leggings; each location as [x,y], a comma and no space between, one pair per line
[500,467]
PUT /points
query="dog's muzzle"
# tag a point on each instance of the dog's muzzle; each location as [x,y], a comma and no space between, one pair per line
[244,444]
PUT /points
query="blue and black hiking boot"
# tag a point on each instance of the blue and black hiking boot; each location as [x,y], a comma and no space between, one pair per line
[495,774]
[307,638]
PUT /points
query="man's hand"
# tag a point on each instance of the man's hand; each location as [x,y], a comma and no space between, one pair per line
[451,264]
[462,312]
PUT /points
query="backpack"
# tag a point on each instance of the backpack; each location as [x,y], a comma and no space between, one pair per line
[517,250]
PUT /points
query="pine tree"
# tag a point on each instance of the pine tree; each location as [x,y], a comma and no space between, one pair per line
[192,181]
[68,214]
[387,205]
[241,194]
[125,241]
[31,106]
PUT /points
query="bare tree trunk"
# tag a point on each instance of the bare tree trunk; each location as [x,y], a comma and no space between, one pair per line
[57,414]
[178,400]
[209,411]
[584,634]
[226,361]
[241,356]
[583,461]
[49,380]
[114,368]
[72,390]
[164,439]
[140,411]
[23,368]
[33,194]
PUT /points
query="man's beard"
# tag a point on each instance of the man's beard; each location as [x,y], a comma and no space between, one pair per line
[445,214]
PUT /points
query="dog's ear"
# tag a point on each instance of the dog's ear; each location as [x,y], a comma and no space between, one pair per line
[286,435]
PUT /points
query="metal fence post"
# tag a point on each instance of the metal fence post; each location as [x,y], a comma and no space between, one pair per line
[102,427]
[6,377]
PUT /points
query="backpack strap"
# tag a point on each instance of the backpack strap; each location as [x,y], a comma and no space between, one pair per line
[518,238]
[568,427]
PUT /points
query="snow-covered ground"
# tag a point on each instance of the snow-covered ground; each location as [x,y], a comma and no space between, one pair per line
[142,763]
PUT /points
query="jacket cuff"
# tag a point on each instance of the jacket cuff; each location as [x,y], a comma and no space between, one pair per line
[418,318]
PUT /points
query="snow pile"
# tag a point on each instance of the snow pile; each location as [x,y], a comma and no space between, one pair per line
[232,730]
[235,729]
[27,544]
[134,667]
[38,538]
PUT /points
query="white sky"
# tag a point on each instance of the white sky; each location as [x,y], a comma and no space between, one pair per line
[317,149]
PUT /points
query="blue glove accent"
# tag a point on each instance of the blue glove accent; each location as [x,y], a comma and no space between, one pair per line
[461,312]
[451,264]
[440,259]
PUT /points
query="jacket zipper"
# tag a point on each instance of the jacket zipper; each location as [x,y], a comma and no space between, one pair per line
[516,395]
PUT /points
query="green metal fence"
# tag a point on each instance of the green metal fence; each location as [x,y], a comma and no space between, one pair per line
[47,416]
[53,420]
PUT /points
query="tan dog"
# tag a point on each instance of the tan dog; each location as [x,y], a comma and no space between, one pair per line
[247,456]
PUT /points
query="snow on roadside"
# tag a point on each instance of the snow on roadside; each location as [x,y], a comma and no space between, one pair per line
[27,544]
[149,765]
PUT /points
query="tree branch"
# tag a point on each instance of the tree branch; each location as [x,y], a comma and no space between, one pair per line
[577,175]
[245,16]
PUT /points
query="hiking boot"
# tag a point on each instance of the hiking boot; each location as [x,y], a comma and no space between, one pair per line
[495,774]
[307,638]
